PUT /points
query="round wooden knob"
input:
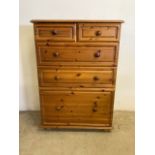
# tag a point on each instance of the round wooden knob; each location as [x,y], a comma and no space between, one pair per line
[98,33]
[96,78]
[58,108]
[94,109]
[78,74]
[97,54]
[56,78]
[54,32]
[56,54]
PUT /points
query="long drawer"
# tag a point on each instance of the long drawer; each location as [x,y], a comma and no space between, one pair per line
[73,107]
[106,54]
[81,77]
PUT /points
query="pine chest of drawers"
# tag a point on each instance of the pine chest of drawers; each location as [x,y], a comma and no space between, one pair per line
[77,65]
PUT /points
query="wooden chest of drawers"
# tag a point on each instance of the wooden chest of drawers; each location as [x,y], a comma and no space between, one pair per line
[77,65]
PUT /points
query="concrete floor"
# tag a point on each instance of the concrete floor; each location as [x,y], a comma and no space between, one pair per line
[36,141]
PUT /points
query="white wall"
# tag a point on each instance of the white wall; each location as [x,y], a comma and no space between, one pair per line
[76,9]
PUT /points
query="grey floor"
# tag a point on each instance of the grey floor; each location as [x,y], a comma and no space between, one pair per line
[36,141]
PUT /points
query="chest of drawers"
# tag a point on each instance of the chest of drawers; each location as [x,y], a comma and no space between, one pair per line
[77,66]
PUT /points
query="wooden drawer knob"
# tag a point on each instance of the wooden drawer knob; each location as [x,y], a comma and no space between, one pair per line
[98,33]
[96,78]
[97,54]
[94,109]
[56,78]
[54,32]
[78,74]
[56,54]
[58,108]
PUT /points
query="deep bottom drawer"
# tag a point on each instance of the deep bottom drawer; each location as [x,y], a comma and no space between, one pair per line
[76,107]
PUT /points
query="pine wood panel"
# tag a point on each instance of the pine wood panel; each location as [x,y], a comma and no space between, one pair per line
[55,32]
[95,77]
[98,32]
[105,54]
[76,107]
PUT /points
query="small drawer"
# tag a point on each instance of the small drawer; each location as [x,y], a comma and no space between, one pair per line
[98,32]
[56,32]
[77,55]
[78,77]
[73,107]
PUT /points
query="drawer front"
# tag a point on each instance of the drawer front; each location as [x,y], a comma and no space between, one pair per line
[81,77]
[57,55]
[56,32]
[98,32]
[76,107]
